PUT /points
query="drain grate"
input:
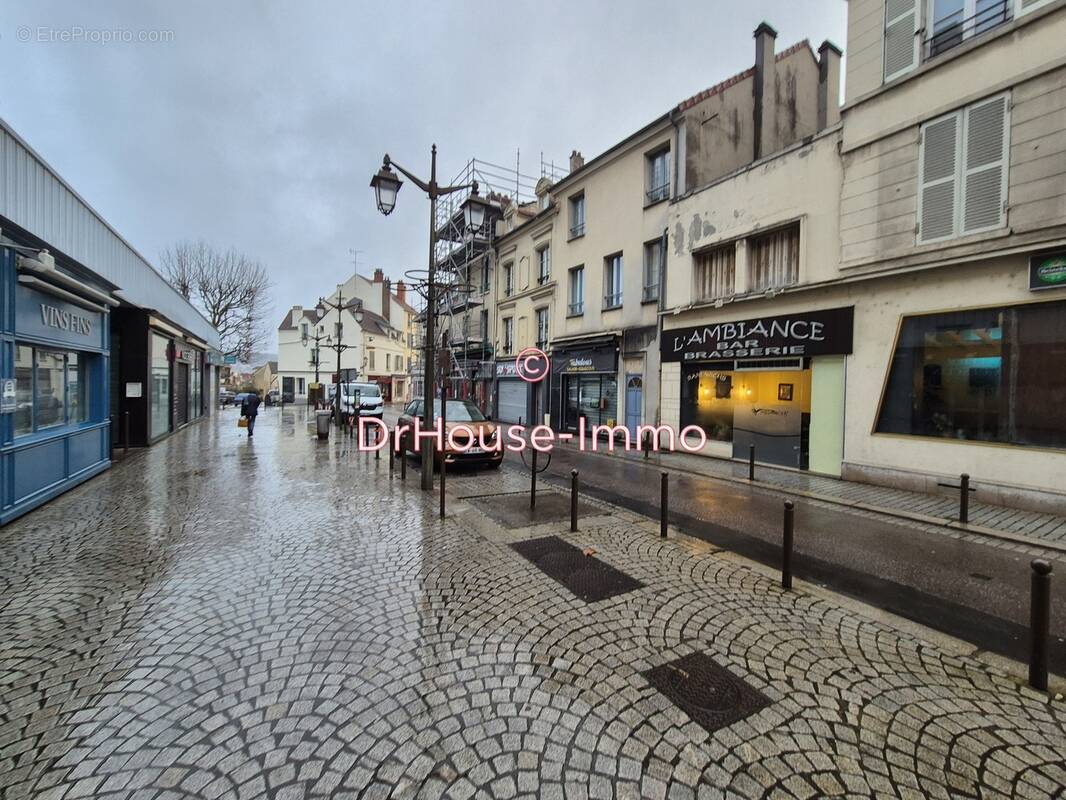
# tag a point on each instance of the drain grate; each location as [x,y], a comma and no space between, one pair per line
[587,577]
[710,694]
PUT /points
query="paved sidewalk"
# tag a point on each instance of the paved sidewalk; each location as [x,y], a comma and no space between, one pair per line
[984,517]
[225,618]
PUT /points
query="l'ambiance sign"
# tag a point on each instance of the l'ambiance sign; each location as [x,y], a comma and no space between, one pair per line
[809,333]
[59,319]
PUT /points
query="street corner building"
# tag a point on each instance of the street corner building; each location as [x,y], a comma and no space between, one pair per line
[98,350]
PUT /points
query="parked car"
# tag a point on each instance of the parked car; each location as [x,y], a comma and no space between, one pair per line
[273,397]
[371,404]
[225,397]
[460,412]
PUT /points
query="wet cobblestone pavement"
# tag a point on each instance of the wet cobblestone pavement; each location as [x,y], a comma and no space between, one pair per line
[225,618]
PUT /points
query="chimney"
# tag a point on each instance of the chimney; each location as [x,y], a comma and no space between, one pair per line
[297,313]
[401,292]
[577,161]
[386,298]
[764,89]
[828,85]
[379,276]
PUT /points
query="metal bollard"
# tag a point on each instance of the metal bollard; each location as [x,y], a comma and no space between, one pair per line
[573,501]
[786,545]
[1039,622]
[964,498]
[377,437]
[647,445]
[390,437]
[751,462]
[403,460]
[126,434]
[443,480]
[664,503]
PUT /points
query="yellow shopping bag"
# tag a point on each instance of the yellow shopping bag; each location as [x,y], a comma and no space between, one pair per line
[242,422]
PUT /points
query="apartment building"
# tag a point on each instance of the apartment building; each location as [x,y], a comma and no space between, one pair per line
[586,277]
[378,327]
[883,300]
[953,216]
[737,357]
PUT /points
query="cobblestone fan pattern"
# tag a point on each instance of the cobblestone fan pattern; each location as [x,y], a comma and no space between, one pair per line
[221,618]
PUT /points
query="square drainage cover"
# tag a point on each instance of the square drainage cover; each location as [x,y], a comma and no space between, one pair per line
[710,694]
[587,577]
[512,511]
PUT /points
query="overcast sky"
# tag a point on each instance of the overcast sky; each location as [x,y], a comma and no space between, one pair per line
[259,124]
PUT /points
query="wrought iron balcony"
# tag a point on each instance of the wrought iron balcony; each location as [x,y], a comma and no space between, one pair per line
[954,29]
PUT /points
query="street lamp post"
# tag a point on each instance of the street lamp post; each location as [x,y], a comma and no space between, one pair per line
[321,309]
[316,358]
[386,186]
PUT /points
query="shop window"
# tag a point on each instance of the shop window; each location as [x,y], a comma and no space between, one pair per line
[774,259]
[50,389]
[23,390]
[159,396]
[716,272]
[985,375]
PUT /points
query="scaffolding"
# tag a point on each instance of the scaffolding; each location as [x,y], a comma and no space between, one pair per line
[463,260]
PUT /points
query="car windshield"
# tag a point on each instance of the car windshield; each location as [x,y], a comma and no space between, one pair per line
[363,390]
[459,411]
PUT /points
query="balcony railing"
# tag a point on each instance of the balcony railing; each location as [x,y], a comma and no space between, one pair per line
[612,301]
[658,193]
[542,344]
[543,278]
[650,293]
[576,309]
[577,230]
[508,291]
[953,30]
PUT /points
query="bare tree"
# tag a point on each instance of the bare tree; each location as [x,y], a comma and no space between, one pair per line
[230,289]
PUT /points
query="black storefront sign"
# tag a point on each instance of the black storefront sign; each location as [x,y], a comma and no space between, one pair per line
[587,360]
[807,333]
[1047,271]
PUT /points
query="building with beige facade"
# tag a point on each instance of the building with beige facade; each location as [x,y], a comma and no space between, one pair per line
[378,327]
[586,277]
[885,301]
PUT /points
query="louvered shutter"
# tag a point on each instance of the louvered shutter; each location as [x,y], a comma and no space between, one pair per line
[939,164]
[984,187]
[901,44]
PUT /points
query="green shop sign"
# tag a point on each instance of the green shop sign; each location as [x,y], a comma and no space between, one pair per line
[1047,271]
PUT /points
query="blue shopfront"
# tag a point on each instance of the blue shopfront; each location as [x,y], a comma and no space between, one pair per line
[54,428]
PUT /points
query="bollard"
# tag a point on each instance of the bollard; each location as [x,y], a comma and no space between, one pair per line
[126,434]
[377,437]
[751,461]
[533,480]
[111,437]
[664,503]
[1039,622]
[573,501]
[403,460]
[964,498]
[390,438]
[443,480]
[786,545]
[647,445]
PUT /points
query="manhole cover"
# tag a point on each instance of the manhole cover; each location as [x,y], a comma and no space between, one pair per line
[585,576]
[710,694]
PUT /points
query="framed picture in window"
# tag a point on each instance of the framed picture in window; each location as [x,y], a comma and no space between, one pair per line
[784,392]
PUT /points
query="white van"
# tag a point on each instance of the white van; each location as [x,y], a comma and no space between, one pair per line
[371,403]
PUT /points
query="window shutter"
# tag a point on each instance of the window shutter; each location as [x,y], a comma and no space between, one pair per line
[939,159]
[901,44]
[984,184]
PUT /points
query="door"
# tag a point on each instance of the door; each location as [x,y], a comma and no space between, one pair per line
[181,394]
[634,403]
[288,389]
[511,401]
